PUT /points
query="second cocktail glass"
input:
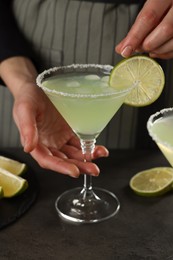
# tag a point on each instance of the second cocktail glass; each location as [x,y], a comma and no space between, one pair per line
[160,128]
[82,95]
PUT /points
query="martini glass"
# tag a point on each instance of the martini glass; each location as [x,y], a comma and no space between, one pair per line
[82,95]
[160,128]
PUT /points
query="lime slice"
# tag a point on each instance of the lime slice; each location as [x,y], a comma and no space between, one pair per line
[12,166]
[152,182]
[1,192]
[12,185]
[144,73]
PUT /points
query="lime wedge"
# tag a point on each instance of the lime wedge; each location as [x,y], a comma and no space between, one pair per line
[144,73]
[1,192]
[11,184]
[12,166]
[152,182]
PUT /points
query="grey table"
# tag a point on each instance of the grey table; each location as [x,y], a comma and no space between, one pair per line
[143,229]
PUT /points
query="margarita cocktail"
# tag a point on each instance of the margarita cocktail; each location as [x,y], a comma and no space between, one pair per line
[81,93]
[87,102]
[160,127]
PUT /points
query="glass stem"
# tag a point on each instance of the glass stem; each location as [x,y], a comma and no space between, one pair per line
[87,150]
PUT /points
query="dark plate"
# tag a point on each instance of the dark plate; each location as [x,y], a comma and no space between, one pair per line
[12,209]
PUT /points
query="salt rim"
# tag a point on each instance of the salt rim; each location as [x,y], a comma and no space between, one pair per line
[150,124]
[107,68]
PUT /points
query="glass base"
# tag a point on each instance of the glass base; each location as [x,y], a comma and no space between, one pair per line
[93,206]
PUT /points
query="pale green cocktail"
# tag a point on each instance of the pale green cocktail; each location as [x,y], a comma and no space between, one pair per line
[87,102]
[81,93]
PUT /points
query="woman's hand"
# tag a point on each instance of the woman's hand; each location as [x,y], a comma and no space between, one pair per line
[44,133]
[48,138]
[152,31]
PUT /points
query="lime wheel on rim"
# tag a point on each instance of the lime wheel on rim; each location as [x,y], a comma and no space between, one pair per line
[144,73]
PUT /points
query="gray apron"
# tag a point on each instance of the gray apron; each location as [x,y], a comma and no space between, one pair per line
[68,31]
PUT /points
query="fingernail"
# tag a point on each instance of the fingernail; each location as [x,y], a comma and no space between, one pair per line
[127,51]
[95,174]
[74,176]
[153,55]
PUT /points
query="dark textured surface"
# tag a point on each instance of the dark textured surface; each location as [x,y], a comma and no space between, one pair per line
[143,229]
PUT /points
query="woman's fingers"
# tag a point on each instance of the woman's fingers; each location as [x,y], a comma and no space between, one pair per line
[148,19]
[48,159]
[86,167]
[165,48]
[165,56]
[100,151]
[76,153]
[161,35]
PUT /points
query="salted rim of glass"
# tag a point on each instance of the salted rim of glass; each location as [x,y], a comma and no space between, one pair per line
[150,124]
[107,68]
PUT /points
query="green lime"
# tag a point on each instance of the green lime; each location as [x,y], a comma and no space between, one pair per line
[144,73]
[12,166]
[11,184]
[152,182]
